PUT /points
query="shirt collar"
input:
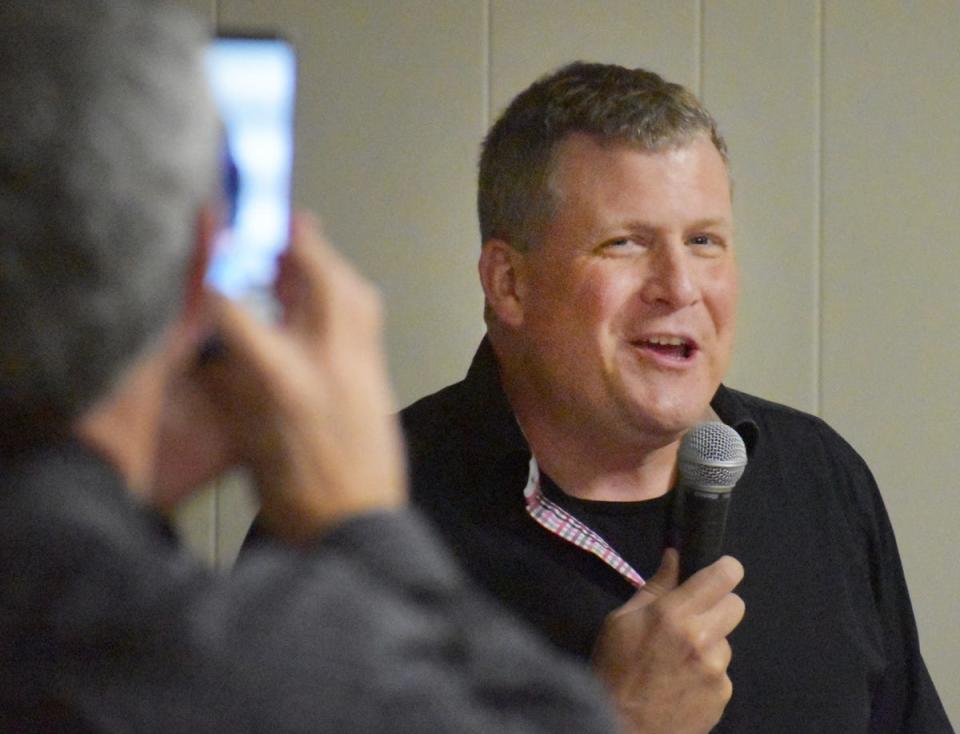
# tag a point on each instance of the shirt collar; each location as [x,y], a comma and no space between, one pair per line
[487,414]
[731,409]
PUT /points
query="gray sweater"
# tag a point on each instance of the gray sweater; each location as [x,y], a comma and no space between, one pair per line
[108,625]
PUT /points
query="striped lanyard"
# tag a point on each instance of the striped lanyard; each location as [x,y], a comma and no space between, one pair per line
[564,525]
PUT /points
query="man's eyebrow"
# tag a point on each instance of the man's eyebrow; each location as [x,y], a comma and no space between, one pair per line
[637,225]
[633,225]
[711,222]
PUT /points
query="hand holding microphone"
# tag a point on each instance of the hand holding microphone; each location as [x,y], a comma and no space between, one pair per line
[664,654]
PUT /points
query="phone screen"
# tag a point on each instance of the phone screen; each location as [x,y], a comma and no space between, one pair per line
[253,82]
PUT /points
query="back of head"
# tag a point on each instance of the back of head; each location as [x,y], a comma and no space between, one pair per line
[107,153]
[609,103]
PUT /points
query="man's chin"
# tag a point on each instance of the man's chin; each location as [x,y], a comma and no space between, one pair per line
[669,422]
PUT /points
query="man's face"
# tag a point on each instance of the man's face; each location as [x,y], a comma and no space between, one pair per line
[631,293]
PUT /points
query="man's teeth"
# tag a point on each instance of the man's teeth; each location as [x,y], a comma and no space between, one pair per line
[667,341]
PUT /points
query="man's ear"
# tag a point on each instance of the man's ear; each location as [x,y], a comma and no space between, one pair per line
[502,274]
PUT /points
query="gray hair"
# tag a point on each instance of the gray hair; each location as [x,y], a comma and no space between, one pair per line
[609,103]
[108,150]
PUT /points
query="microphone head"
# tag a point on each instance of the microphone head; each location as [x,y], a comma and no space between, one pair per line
[712,457]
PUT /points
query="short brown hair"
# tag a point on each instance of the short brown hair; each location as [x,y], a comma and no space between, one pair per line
[607,102]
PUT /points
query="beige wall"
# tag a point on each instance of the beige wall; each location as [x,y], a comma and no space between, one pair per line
[842,122]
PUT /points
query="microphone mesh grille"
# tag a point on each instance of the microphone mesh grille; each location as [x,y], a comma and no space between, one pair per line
[712,456]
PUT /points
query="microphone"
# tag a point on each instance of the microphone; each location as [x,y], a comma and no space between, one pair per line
[711,459]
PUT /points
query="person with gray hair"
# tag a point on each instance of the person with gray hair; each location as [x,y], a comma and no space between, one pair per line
[357,620]
[610,285]
[100,200]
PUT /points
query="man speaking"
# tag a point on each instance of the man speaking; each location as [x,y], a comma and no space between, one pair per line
[608,267]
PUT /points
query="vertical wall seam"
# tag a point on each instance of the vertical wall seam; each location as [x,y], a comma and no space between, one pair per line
[215,521]
[818,251]
[213,545]
[698,47]
[487,87]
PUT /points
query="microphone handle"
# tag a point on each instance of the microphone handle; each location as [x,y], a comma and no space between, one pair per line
[701,523]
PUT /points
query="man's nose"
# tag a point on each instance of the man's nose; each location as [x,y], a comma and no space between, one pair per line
[670,277]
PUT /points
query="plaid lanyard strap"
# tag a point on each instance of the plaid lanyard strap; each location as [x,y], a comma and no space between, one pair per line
[561,523]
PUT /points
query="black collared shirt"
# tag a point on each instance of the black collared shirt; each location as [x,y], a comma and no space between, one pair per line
[829,642]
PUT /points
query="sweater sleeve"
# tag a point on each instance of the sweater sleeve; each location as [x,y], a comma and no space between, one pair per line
[448,658]
[108,625]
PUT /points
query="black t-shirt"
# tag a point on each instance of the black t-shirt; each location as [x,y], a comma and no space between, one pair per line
[638,531]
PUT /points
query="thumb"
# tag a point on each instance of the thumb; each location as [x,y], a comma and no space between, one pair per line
[621,625]
[665,579]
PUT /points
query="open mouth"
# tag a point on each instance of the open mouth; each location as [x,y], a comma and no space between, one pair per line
[672,347]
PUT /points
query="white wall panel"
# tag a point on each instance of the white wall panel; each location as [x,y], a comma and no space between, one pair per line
[205,9]
[760,80]
[529,38]
[890,283]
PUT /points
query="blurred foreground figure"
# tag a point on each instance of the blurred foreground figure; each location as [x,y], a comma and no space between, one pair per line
[356,622]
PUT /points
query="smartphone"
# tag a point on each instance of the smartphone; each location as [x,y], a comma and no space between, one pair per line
[253,83]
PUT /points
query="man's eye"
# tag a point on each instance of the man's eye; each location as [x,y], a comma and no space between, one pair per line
[620,243]
[629,245]
[708,241]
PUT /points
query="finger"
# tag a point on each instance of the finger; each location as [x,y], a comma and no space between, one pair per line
[708,586]
[251,349]
[714,664]
[312,279]
[299,279]
[721,619]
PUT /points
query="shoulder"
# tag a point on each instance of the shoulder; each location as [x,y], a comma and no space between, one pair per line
[423,416]
[472,409]
[809,453]
[792,430]
[462,441]
[58,496]
[432,432]
[432,428]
